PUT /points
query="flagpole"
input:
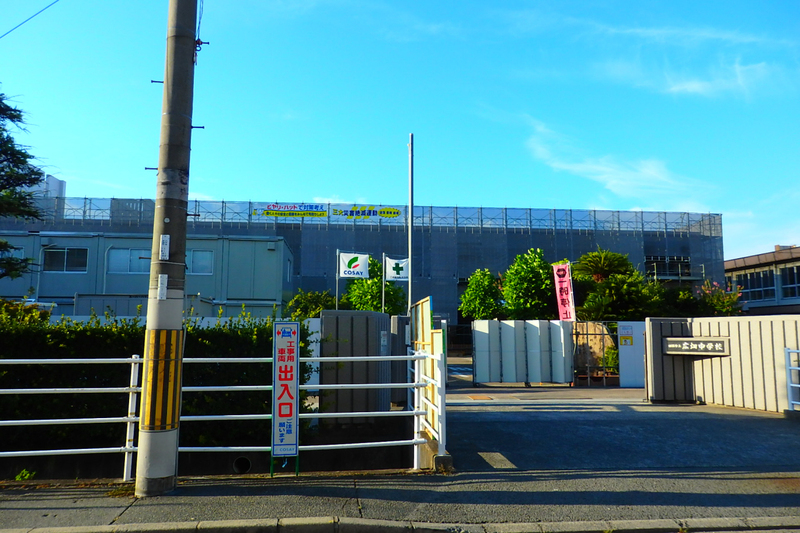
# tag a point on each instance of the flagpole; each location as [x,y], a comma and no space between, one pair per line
[337,279]
[410,212]
[383,283]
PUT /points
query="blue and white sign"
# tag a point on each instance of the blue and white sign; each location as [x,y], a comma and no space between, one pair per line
[285,388]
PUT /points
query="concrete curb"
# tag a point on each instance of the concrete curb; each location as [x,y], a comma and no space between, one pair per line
[363,525]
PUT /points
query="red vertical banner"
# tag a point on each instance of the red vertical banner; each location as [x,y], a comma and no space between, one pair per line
[285,388]
[564,295]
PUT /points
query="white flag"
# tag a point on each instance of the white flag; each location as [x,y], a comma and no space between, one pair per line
[396,269]
[353,265]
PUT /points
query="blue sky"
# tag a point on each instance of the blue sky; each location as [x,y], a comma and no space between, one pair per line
[667,106]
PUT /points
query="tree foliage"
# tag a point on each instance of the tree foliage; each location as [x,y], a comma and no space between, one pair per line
[716,301]
[528,287]
[309,304]
[606,285]
[602,264]
[16,174]
[365,294]
[482,300]
[623,297]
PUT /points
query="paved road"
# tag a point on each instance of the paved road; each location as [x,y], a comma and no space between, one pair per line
[528,459]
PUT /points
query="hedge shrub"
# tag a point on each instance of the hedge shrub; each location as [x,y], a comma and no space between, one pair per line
[27,333]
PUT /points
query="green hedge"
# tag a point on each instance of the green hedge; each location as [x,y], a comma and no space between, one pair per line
[26,333]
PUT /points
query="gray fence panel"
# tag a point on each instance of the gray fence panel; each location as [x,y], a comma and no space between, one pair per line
[518,351]
[537,343]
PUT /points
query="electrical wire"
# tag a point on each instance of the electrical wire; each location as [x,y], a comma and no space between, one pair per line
[27,19]
[199,19]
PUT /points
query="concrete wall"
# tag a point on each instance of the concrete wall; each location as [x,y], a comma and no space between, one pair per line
[752,377]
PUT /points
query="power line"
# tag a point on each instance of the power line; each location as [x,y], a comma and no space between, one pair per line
[27,19]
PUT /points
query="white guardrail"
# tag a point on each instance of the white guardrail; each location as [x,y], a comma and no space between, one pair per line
[792,379]
[421,405]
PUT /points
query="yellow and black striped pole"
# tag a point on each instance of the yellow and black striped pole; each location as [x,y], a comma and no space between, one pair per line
[160,410]
[157,456]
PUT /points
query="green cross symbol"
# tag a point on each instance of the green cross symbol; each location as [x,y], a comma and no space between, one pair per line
[397,268]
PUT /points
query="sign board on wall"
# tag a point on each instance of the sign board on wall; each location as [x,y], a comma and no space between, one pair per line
[285,388]
[290,210]
[699,346]
[625,334]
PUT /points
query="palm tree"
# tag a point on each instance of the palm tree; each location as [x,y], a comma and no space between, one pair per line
[602,263]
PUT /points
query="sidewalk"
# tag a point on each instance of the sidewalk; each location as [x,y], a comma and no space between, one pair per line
[539,459]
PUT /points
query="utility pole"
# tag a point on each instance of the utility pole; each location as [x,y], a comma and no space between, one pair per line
[157,457]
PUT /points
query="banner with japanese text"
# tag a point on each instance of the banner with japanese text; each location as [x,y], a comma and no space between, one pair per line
[285,389]
[564,294]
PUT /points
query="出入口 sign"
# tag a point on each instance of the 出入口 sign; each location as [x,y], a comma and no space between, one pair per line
[700,346]
[285,388]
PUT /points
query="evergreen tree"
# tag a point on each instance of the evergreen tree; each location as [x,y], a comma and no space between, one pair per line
[482,300]
[16,174]
[528,287]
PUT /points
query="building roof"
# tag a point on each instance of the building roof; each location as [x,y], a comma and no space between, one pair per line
[782,254]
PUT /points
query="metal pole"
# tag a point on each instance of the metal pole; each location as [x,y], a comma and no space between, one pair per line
[337,279]
[383,283]
[410,212]
[157,459]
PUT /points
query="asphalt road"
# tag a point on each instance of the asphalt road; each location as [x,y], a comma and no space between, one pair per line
[522,455]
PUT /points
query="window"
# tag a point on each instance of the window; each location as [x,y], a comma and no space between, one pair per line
[757,285]
[790,281]
[66,259]
[129,260]
[200,261]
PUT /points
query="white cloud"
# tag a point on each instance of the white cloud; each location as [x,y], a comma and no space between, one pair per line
[639,179]
[733,77]
[687,36]
[676,60]
[727,78]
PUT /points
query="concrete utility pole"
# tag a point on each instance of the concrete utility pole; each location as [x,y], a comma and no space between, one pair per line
[157,458]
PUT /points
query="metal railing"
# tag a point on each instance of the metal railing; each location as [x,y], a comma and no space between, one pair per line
[129,211]
[596,352]
[130,420]
[792,379]
[420,408]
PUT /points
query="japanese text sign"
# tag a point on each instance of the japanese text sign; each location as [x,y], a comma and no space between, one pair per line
[285,388]
[564,296]
[697,346]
